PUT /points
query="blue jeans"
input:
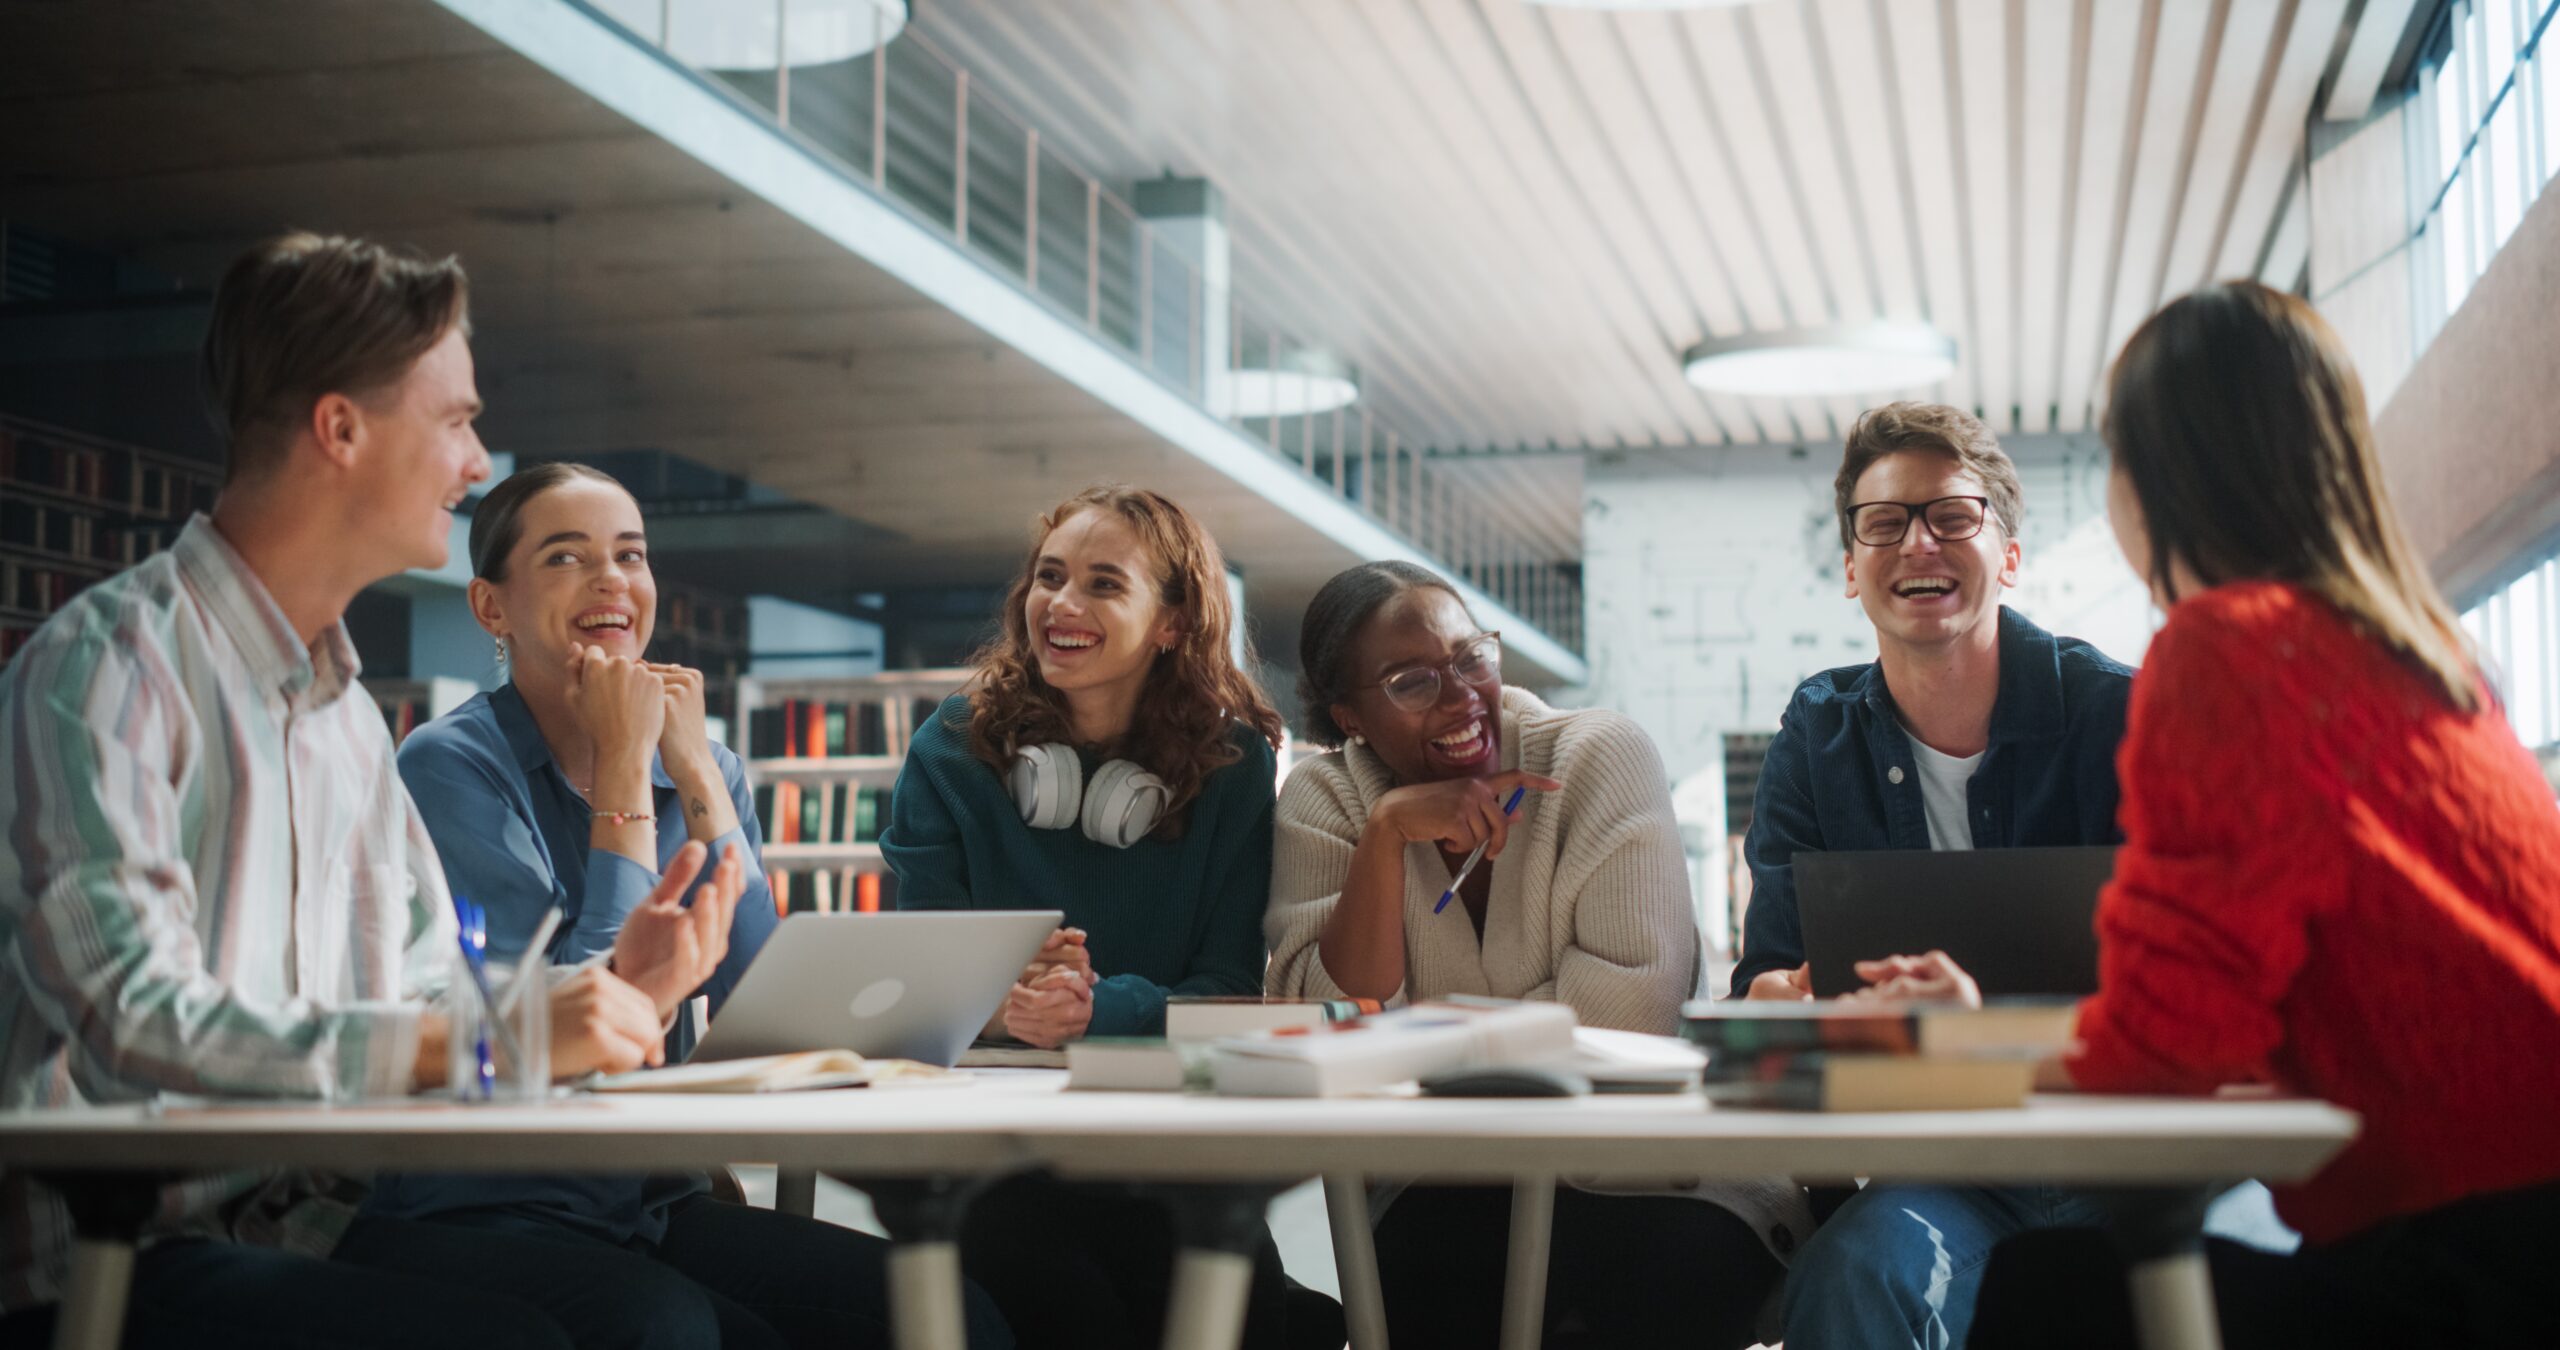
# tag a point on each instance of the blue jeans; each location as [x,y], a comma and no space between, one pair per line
[1900,1265]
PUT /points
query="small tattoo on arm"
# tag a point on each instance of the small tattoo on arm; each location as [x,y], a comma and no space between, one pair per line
[700,808]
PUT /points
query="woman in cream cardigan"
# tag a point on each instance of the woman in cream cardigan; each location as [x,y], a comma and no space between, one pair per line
[1582,898]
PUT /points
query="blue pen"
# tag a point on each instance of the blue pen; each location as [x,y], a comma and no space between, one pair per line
[1478,856]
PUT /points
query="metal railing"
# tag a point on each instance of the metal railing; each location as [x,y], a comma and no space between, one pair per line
[908,121]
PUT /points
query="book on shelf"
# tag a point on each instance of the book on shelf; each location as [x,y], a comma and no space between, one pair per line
[2016,1028]
[1364,1054]
[794,812]
[1189,1017]
[1830,1080]
[831,890]
[812,729]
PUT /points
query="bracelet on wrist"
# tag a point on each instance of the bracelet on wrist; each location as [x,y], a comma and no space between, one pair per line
[624,817]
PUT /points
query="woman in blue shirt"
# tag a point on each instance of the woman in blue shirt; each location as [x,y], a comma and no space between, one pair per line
[571,786]
[1111,759]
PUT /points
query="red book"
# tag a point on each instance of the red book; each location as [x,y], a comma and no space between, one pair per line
[866,893]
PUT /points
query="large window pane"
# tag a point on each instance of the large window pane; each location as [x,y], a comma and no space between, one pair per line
[2501,172]
[2528,705]
[2457,242]
[2546,70]
[2452,128]
[2499,46]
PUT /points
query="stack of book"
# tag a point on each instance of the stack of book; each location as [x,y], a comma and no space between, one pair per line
[1366,1054]
[1180,1058]
[1858,1056]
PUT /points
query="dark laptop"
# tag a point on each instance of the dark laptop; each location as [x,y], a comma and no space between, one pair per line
[2021,921]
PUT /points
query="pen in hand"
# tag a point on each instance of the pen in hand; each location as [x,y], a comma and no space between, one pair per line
[1477,855]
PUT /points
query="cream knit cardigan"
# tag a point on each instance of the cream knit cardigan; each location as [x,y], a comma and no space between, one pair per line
[1590,903]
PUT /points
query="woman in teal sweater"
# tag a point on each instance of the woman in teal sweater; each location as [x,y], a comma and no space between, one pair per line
[1111,760]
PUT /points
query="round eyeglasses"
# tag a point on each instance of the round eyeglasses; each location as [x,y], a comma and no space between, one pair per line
[1417,688]
[1887,524]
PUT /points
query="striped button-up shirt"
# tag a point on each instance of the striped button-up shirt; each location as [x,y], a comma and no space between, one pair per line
[212,883]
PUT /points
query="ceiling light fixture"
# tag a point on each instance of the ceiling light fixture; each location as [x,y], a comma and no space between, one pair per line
[1865,358]
[1294,385]
[748,35]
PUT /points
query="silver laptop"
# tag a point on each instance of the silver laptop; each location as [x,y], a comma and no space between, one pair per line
[913,985]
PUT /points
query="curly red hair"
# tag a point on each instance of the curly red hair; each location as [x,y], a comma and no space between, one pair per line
[1194,696]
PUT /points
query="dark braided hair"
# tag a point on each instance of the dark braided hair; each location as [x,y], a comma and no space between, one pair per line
[1334,619]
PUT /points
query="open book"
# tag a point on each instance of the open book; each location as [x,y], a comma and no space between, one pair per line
[805,1071]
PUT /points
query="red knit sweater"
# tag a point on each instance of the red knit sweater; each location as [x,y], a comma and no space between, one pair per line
[2333,881]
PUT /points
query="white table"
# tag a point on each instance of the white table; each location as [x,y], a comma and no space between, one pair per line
[1005,1123]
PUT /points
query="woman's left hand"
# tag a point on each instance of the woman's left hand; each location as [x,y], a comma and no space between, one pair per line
[1050,1011]
[685,738]
[1930,978]
[684,746]
[667,948]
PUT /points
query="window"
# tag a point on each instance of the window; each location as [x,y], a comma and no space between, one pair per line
[2490,98]
[2517,631]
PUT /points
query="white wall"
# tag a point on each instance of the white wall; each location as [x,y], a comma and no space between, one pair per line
[1713,586]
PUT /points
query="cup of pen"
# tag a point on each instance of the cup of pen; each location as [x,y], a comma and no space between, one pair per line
[499,1049]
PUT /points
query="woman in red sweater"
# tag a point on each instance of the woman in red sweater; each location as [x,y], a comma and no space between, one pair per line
[2341,872]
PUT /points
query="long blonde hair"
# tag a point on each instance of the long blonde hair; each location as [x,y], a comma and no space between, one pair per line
[1195,695]
[2238,419]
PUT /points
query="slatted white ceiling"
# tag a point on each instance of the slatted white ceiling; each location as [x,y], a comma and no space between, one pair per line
[1514,217]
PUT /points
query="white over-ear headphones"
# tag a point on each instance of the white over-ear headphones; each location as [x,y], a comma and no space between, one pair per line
[1119,807]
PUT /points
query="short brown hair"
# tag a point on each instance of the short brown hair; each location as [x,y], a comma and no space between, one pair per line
[1938,429]
[302,315]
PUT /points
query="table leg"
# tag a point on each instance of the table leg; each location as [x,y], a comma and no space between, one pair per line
[1355,1260]
[2160,1231]
[1220,1227]
[923,1217]
[108,1210]
[2173,1303]
[795,1191]
[1524,1281]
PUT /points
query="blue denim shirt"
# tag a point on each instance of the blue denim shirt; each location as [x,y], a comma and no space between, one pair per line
[513,835]
[2048,776]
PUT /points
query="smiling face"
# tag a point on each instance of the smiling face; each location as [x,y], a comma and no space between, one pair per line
[1094,614]
[417,455]
[1926,592]
[578,574]
[1460,734]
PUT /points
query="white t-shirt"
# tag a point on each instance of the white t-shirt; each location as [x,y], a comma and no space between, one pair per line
[1942,782]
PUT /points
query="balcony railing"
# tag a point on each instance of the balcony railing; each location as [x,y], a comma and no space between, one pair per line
[908,121]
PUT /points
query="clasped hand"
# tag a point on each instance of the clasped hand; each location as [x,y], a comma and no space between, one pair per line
[1933,977]
[1052,1003]
[1457,813]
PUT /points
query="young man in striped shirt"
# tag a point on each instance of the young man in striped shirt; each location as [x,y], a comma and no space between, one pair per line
[212,881]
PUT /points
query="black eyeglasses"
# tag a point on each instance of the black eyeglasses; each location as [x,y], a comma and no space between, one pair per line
[1887,524]
[1477,662]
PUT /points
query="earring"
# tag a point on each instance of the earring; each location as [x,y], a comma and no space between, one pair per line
[1165,650]
[502,650]
[1358,739]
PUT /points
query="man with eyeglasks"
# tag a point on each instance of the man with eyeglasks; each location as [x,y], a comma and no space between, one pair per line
[1973,728]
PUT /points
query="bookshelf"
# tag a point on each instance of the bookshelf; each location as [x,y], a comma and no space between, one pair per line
[822,754]
[77,509]
[409,704]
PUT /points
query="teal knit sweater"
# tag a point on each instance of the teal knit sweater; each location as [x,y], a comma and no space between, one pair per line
[1161,917]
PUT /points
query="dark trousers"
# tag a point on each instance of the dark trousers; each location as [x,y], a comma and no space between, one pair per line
[724,1275]
[1623,1271]
[1089,1267]
[727,1277]
[2481,1272]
